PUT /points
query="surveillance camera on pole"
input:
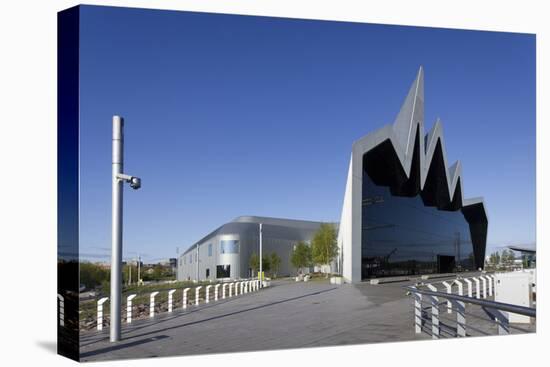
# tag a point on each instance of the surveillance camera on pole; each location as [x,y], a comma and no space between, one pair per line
[118,179]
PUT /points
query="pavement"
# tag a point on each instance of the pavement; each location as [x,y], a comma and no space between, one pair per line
[286,315]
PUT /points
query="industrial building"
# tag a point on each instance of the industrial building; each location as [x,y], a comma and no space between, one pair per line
[225,252]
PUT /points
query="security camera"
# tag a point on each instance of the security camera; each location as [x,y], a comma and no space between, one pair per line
[135,183]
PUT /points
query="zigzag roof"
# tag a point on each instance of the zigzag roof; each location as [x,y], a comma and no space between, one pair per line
[402,135]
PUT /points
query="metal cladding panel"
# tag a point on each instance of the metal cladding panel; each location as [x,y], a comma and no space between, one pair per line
[411,146]
[279,236]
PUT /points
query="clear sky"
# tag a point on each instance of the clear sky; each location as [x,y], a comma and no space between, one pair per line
[235,115]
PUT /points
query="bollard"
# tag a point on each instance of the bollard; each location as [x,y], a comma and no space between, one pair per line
[224,287]
[170,298]
[489,285]
[197,289]
[129,307]
[216,292]
[460,287]
[246,286]
[230,289]
[185,297]
[478,294]
[61,310]
[469,283]
[242,287]
[207,293]
[483,286]
[494,283]
[449,305]
[152,304]
[100,312]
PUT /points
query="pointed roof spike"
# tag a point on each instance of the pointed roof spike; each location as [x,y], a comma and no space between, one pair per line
[411,112]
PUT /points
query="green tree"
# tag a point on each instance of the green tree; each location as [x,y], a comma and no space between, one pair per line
[275,263]
[93,275]
[324,247]
[301,256]
[254,263]
[266,263]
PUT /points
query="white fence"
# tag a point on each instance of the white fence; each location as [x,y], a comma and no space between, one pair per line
[211,294]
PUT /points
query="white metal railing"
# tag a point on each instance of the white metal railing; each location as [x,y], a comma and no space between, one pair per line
[427,317]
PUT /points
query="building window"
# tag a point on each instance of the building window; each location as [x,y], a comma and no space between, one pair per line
[209,249]
[223,271]
[229,247]
[208,273]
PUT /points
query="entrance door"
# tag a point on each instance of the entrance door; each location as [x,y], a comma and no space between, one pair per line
[445,264]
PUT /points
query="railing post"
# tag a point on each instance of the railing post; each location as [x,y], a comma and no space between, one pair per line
[246,286]
[152,304]
[129,307]
[170,299]
[242,287]
[460,287]
[478,294]
[61,310]
[417,312]
[224,287]
[185,297]
[469,283]
[484,286]
[231,289]
[460,318]
[197,290]
[216,291]
[207,297]
[435,313]
[100,312]
[449,306]
[502,319]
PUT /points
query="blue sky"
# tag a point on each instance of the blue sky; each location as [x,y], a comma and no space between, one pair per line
[232,115]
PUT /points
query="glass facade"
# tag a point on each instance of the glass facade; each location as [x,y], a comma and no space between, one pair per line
[229,247]
[402,236]
[223,271]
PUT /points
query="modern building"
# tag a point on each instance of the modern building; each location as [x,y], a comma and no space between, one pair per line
[404,212]
[225,252]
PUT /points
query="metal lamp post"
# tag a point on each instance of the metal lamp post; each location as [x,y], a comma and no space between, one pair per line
[116,251]
[261,272]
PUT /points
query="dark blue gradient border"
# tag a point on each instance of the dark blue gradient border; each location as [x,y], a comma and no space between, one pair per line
[68,34]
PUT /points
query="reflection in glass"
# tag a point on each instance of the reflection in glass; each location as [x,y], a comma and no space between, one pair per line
[223,271]
[229,247]
[402,236]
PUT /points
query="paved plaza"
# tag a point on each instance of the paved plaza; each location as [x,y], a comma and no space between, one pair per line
[286,315]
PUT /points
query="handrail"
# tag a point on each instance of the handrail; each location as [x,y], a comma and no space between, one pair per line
[526,311]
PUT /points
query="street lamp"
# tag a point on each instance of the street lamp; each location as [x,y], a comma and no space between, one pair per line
[261,245]
[116,251]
